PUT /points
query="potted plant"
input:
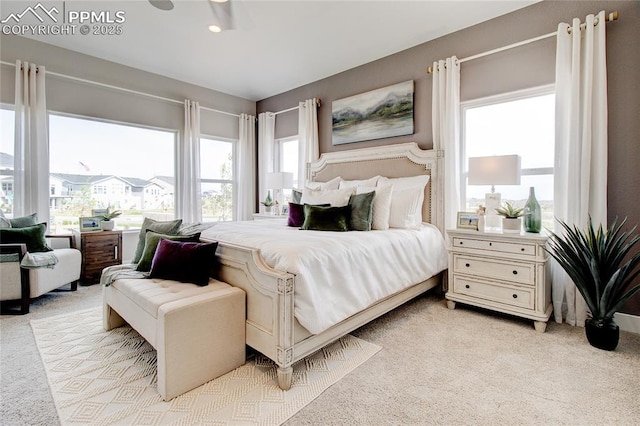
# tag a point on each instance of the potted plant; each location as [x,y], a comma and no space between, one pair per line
[593,259]
[268,202]
[107,219]
[511,221]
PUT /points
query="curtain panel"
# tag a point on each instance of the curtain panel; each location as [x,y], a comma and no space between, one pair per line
[309,145]
[580,173]
[189,194]
[266,149]
[445,103]
[31,143]
[246,168]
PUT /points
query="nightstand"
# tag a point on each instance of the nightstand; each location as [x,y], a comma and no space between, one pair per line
[99,250]
[503,272]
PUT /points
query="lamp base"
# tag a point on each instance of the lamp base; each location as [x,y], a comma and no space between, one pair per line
[492,221]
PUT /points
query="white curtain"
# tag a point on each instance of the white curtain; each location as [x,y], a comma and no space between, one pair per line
[31,149]
[446,131]
[309,146]
[580,169]
[246,168]
[189,201]
[266,142]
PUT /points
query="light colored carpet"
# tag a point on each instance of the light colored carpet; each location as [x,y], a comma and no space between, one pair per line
[102,377]
[436,366]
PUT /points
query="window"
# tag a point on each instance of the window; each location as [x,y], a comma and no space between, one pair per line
[520,123]
[217,179]
[7,125]
[92,162]
[287,159]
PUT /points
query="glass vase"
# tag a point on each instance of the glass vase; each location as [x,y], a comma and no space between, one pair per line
[532,213]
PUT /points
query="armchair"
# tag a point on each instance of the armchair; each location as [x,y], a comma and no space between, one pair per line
[22,285]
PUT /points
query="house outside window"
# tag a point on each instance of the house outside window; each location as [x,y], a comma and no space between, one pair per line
[520,123]
[286,157]
[217,178]
[7,125]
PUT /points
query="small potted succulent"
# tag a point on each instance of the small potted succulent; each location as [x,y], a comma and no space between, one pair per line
[268,202]
[512,217]
[107,219]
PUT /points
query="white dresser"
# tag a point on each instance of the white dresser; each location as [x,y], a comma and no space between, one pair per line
[502,272]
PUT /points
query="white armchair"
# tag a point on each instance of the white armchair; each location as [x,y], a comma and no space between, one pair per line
[21,285]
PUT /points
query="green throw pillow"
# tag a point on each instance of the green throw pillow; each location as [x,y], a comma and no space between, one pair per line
[361,211]
[319,218]
[151,243]
[21,222]
[296,196]
[168,228]
[32,236]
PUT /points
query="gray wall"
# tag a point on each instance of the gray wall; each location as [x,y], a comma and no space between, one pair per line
[68,96]
[528,66]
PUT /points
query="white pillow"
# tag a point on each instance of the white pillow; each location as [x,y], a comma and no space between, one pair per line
[334,197]
[356,183]
[332,184]
[406,201]
[381,205]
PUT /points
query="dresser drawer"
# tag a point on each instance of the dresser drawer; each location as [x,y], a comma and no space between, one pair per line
[526,249]
[522,273]
[522,297]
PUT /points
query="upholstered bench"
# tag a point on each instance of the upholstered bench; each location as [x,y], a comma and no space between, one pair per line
[198,331]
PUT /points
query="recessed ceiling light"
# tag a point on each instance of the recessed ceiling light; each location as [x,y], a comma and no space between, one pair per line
[214,28]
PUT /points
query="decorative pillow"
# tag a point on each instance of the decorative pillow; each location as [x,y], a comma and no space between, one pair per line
[168,228]
[335,197]
[21,222]
[296,196]
[152,239]
[181,261]
[361,211]
[381,205]
[32,236]
[406,201]
[296,214]
[320,218]
[332,184]
[356,183]
[4,222]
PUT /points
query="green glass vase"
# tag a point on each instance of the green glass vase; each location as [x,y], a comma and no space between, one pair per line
[532,213]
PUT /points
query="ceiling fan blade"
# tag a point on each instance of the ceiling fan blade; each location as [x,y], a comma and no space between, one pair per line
[223,14]
[162,4]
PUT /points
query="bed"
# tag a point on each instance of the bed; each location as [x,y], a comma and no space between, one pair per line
[248,258]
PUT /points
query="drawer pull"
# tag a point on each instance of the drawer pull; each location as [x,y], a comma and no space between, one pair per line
[490,244]
[515,272]
[467,265]
[461,243]
[522,249]
[466,286]
[515,296]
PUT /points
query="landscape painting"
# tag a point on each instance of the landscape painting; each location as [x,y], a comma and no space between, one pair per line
[380,113]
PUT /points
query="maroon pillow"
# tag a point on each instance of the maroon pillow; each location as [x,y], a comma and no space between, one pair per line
[182,261]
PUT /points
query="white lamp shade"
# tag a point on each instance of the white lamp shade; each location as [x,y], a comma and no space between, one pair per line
[494,170]
[279,180]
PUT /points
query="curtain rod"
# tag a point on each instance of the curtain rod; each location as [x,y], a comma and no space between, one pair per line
[613,16]
[318,104]
[122,89]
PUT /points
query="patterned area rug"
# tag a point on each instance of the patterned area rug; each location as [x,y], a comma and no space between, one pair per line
[103,378]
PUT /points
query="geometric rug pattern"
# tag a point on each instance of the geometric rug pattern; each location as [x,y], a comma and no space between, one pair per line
[102,377]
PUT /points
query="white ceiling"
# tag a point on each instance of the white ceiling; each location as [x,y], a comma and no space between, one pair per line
[276,45]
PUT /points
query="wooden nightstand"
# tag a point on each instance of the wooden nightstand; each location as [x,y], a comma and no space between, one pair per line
[99,250]
[503,272]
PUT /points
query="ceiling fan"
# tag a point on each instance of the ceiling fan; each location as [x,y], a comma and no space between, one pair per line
[221,9]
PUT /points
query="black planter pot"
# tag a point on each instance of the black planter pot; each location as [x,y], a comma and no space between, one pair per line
[602,334]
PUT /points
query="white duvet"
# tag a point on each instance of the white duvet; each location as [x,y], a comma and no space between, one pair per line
[340,273]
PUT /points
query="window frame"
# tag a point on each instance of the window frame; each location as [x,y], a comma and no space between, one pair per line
[235,167]
[279,152]
[532,92]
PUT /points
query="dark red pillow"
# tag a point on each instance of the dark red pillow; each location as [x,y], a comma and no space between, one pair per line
[296,215]
[182,261]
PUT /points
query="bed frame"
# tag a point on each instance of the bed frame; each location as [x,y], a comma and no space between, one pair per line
[271,327]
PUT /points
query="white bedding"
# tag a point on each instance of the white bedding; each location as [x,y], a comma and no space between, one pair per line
[339,273]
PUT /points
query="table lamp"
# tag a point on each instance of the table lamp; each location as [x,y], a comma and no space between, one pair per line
[279,181]
[494,170]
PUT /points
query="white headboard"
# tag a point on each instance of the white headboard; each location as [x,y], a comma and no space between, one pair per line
[399,160]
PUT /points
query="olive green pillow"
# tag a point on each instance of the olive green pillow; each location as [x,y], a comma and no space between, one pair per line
[151,244]
[320,218]
[21,222]
[361,211]
[169,227]
[32,236]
